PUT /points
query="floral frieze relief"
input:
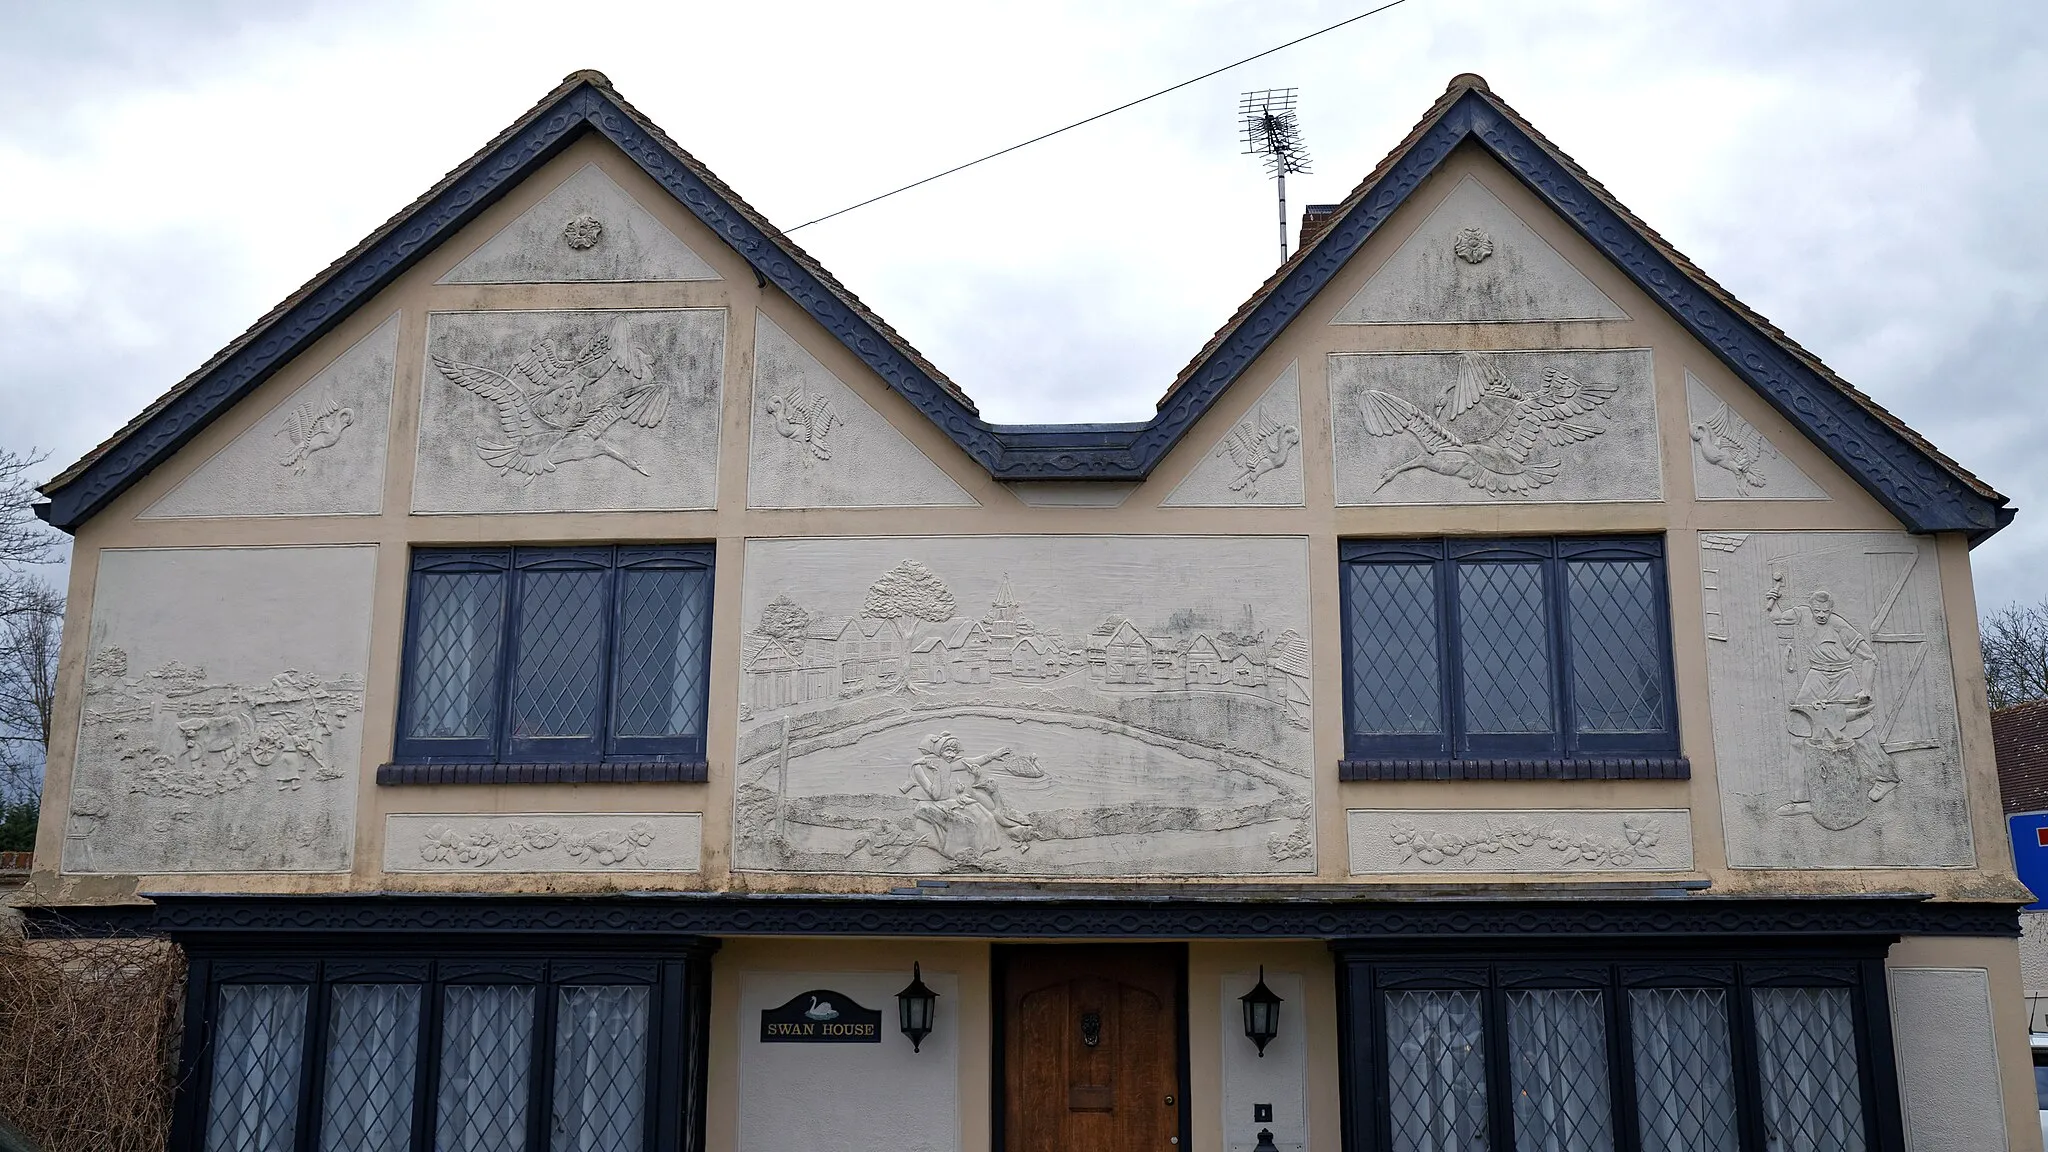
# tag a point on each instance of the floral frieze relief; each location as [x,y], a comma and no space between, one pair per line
[1394,841]
[543,842]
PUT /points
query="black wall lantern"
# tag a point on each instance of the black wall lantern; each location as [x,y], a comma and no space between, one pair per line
[1261,1014]
[916,1006]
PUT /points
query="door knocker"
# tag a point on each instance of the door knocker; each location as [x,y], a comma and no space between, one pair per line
[1091,1028]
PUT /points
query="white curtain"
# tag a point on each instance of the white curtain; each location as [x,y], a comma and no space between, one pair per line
[1557,1044]
[600,1101]
[1436,1071]
[486,1053]
[1685,1069]
[258,1049]
[373,1035]
[1806,1055]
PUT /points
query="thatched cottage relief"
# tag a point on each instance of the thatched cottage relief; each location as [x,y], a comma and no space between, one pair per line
[1029,705]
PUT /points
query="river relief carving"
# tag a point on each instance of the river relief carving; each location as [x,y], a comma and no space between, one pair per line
[1017,714]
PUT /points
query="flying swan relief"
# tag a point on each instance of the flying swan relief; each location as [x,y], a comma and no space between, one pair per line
[1486,430]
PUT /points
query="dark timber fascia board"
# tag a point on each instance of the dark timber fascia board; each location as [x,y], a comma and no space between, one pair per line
[1219,916]
[1914,486]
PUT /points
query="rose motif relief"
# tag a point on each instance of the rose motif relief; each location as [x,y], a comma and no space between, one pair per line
[583,232]
[1472,245]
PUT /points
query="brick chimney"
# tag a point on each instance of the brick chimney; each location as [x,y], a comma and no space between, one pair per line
[1314,219]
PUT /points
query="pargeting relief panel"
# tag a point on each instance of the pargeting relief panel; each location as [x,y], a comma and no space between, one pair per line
[1397,841]
[1258,462]
[221,729]
[588,228]
[570,411]
[1474,261]
[1028,705]
[816,444]
[319,452]
[1732,459]
[1835,731]
[1495,428]
[543,842]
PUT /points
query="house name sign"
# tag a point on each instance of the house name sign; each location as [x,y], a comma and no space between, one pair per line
[821,1016]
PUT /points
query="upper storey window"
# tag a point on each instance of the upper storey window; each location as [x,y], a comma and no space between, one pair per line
[533,655]
[1508,659]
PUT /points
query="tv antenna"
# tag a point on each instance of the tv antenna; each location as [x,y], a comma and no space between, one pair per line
[1271,131]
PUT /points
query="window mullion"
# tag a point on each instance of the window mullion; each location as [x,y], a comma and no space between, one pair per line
[513,592]
[1500,1088]
[540,1086]
[1564,702]
[313,1064]
[1749,1093]
[607,675]
[1451,651]
[427,1072]
[1621,1064]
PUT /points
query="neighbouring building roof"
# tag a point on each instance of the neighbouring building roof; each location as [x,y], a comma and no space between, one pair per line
[1925,489]
[2020,734]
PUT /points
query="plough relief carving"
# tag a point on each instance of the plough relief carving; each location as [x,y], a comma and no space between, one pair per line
[179,734]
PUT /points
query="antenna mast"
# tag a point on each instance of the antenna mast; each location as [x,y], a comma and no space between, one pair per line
[1271,131]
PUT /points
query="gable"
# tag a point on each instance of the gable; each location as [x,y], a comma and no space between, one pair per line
[814,443]
[1923,489]
[319,451]
[587,228]
[1474,261]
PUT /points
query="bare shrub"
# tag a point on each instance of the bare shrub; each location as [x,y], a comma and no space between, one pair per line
[88,1041]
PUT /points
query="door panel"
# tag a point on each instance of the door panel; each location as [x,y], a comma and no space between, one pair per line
[1091,1048]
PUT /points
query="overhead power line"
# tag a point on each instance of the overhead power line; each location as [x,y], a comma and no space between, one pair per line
[1100,115]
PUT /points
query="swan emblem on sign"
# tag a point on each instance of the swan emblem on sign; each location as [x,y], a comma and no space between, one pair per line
[818,1011]
[1485,430]
[553,410]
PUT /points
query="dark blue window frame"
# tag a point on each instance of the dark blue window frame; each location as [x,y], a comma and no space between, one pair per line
[1446,560]
[511,571]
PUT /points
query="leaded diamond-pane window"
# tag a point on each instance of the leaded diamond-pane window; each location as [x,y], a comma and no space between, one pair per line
[1618,662]
[1557,1052]
[259,1045]
[1475,649]
[1685,1068]
[557,654]
[486,1057]
[1504,622]
[373,1036]
[1806,1060]
[600,1096]
[1436,1071]
[1396,682]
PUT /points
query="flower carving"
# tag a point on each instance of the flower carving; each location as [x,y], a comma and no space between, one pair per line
[583,232]
[1430,846]
[480,846]
[1472,245]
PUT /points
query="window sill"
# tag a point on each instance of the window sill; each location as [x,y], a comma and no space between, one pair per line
[1518,768]
[591,772]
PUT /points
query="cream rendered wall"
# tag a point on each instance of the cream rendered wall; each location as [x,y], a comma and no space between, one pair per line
[1302,351]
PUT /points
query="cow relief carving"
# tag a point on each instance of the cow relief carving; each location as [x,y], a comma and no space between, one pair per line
[1025,705]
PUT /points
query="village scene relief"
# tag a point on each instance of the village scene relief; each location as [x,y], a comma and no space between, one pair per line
[1067,706]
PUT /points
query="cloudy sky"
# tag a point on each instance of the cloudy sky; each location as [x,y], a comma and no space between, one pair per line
[1868,174]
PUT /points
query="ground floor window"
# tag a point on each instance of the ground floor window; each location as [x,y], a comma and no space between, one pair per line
[1589,1054]
[449,1053]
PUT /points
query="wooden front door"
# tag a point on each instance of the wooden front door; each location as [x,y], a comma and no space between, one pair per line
[1091,1048]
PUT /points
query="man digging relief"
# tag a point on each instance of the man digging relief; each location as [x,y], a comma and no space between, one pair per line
[1833,712]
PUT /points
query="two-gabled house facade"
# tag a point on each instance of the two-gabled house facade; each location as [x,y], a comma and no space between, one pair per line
[563,672]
